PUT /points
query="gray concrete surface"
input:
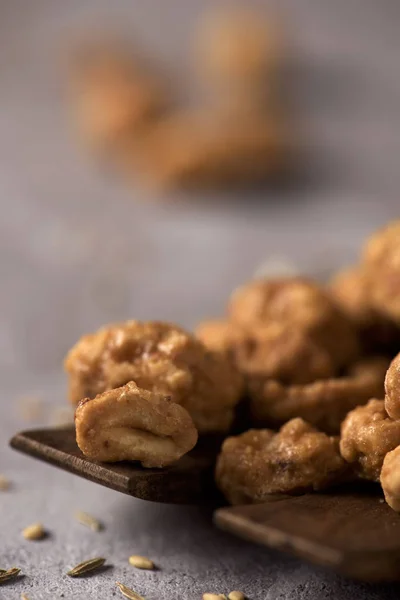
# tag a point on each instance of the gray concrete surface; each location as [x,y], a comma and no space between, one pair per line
[78,249]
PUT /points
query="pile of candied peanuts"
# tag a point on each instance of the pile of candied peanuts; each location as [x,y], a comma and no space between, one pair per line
[294,354]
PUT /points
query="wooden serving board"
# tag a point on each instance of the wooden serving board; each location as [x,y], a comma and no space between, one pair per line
[189,481]
[351,530]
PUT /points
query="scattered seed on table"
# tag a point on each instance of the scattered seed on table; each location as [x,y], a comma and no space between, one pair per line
[34,532]
[214,597]
[141,562]
[86,566]
[128,593]
[4,483]
[24,597]
[10,574]
[235,595]
[87,520]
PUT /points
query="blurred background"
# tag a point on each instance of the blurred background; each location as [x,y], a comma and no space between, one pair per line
[81,247]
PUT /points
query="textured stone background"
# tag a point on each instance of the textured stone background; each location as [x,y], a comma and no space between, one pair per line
[79,249]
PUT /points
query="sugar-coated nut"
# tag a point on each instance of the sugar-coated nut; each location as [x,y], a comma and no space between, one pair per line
[323,403]
[392,389]
[271,351]
[240,54]
[352,290]
[261,462]
[114,93]
[390,478]
[300,304]
[381,257]
[367,435]
[160,357]
[186,150]
[129,423]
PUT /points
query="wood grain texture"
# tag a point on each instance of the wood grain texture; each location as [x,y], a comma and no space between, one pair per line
[351,530]
[189,481]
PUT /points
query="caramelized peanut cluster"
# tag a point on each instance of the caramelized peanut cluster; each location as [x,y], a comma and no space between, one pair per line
[130,423]
[238,135]
[369,292]
[159,357]
[261,462]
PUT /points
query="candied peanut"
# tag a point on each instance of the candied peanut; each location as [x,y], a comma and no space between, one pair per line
[261,462]
[198,150]
[158,357]
[240,53]
[300,304]
[392,389]
[390,478]
[270,351]
[352,290]
[381,257]
[323,403]
[129,423]
[114,93]
[367,435]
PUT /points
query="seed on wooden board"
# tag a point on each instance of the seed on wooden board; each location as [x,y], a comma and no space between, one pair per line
[128,593]
[141,562]
[34,532]
[87,520]
[4,483]
[235,595]
[86,566]
[9,574]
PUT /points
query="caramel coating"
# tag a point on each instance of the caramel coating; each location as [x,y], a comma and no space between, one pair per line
[185,150]
[323,403]
[261,462]
[114,93]
[367,435]
[390,478]
[158,357]
[352,290]
[382,258]
[129,423]
[392,389]
[300,304]
[271,351]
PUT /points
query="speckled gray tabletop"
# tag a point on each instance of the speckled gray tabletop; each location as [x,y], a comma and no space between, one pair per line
[78,249]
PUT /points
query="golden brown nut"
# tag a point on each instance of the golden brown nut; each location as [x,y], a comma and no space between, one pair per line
[367,435]
[301,305]
[381,257]
[271,351]
[129,423]
[323,403]
[197,150]
[352,290]
[392,389]
[115,94]
[390,478]
[261,462]
[157,357]
[240,53]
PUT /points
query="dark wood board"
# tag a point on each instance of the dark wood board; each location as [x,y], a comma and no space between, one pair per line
[189,481]
[350,530]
